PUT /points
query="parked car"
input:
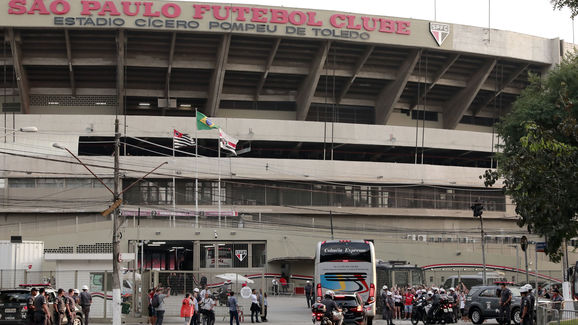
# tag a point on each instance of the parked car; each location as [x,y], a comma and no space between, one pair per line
[483,302]
[352,307]
[471,280]
[13,307]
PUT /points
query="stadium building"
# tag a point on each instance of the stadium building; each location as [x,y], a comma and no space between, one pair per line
[349,125]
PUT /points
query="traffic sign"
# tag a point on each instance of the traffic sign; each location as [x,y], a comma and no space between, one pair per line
[524,243]
[541,246]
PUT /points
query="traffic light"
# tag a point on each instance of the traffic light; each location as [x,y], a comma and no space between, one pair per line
[478,209]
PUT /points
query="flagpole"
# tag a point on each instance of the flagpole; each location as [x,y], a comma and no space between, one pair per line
[196,171]
[219,186]
[174,187]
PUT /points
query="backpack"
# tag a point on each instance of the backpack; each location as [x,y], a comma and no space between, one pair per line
[156,301]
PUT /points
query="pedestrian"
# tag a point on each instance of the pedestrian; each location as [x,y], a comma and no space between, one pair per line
[556,299]
[70,307]
[30,306]
[41,313]
[384,302]
[275,286]
[264,310]
[284,284]
[187,309]
[159,304]
[151,309]
[195,318]
[254,307]
[85,302]
[233,308]
[505,301]
[207,306]
[390,306]
[59,308]
[308,290]
[408,303]
[526,309]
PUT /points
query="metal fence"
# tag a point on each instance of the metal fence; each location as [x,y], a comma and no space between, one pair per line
[552,313]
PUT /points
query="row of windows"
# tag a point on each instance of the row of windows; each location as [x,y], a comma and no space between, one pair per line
[160,192]
[58,183]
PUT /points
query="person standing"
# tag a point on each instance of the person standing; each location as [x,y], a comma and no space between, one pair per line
[160,309]
[30,306]
[187,309]
[41,313]
[195,319]
[59,307]
[85,302]
[526,309]
[151,309]
[556,299]
[308,290]
[390,306]
[384,302]
[505,301]
[408,302]
[275,286]
[70,307]
[233,308]
[265,305]
[254,307]
[207,306]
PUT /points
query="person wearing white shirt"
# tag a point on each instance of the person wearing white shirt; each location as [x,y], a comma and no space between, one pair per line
[255,309]
[207,305]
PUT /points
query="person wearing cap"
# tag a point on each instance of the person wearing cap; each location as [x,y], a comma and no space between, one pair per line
[526,307]
[384,301]
[30,306]
[59,307]
[531,296]
[308,290]
[85,302]
[390,306]
[505,301]
[556,299]
[195,319]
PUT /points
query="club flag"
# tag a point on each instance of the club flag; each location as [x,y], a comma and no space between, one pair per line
[227,142]
[181,140]
[204,123]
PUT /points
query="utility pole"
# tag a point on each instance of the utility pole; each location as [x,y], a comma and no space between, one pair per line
[116,299]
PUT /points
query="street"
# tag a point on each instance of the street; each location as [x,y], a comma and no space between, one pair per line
[285,311]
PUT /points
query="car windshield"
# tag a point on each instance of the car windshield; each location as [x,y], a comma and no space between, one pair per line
[13,296]
[346,301]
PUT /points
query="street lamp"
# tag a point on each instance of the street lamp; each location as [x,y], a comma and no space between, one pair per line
[478,209]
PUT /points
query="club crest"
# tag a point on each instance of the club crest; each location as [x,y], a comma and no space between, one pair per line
[439,32]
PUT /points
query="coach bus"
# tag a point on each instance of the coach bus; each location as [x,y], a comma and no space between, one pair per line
[347,266]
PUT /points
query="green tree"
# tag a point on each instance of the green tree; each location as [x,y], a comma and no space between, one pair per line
[538,162]
[571,4]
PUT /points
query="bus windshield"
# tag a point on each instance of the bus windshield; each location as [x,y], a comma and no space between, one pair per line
[345,252]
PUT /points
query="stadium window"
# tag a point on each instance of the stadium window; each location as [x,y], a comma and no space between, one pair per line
[22,182]
[478,120]
[419,115]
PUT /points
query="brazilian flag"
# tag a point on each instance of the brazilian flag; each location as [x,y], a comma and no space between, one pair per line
[204,123]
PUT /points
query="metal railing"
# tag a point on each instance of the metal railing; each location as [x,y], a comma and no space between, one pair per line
[554,313]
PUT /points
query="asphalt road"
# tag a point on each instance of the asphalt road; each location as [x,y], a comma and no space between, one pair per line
[283,311]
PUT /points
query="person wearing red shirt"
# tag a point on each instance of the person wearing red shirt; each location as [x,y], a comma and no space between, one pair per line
[408,302]
[187,309]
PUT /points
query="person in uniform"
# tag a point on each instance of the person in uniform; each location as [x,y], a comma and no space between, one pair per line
[70,307]
[526,307]
[85,302]
[59,308]
[505,301]
[30,306]
[41,313]
[384,302]
[390,308]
